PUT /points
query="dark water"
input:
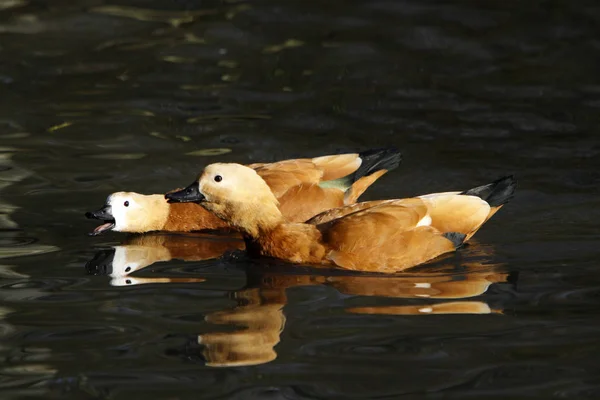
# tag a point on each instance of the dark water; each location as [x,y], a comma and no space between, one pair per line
[99,97]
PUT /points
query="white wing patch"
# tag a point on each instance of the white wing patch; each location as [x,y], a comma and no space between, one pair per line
[425,221]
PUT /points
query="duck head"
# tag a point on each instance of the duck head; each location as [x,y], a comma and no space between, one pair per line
[234,193]
[131,212]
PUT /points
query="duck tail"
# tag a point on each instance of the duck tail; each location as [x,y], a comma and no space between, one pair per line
[497,193]
[374,164]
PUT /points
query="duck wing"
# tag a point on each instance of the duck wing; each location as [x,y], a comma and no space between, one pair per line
[464,212]
[385,238]
[350,174]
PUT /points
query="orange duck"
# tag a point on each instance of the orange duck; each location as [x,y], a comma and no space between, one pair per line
[378,236]
[303,188]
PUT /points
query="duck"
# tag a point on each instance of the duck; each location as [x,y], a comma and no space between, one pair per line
[303,187]
[384,236]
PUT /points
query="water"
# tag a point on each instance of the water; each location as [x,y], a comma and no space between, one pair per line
[99,97]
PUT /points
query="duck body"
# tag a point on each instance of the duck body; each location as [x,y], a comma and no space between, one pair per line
[379,236]
[302,187]
[392,235]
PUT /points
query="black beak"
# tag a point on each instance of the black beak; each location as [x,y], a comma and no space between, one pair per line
[101,264]
[190,194]
[105,214]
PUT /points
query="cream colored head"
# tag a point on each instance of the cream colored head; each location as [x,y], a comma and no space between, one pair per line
[134,212]
[240,196]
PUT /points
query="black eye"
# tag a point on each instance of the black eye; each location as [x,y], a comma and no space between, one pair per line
[218,178]
[126,204]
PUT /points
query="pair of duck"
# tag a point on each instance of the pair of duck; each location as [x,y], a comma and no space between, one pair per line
[305,211]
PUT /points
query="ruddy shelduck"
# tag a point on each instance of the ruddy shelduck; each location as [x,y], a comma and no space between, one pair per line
[302,187]
[379,236]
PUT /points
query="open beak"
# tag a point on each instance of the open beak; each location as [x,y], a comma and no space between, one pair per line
[190,194]
[104,214]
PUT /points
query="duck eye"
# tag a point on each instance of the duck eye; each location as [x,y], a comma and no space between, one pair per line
[126,204]
[218,178]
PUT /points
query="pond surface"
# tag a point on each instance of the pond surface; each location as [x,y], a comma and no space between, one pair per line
[99,97]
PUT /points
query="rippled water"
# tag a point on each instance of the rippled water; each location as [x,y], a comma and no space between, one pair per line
[99,97]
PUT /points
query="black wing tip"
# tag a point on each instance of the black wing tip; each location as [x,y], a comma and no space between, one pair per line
[456,238]
[373,160]
[508,180]
[497,193]
[388,152]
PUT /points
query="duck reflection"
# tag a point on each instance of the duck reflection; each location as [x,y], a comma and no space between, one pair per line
[141,251]
[259,311]
[260,315]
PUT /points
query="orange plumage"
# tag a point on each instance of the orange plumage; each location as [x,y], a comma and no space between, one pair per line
[380,236]
[303,187]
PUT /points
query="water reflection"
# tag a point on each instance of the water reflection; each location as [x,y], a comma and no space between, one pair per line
[441,288]
[468,90]
[260,316]
[141,251]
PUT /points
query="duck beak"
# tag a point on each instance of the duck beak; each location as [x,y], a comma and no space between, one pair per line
[190,194]
[104,214]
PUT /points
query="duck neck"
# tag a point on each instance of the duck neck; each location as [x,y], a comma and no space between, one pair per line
[157,215]
[259,219]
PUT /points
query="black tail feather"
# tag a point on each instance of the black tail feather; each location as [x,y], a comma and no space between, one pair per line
[456,238]
[496,193]
[374,160]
